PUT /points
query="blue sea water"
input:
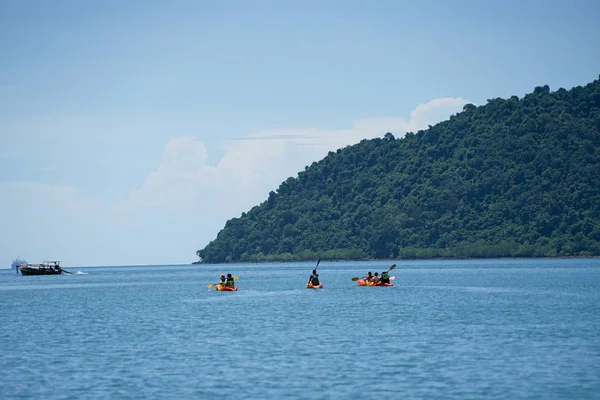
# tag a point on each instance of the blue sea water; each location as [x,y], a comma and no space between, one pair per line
[476,329]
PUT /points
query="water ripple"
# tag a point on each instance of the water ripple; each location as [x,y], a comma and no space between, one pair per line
[469,332]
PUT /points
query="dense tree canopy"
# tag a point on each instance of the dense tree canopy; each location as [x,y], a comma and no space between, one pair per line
[515,177]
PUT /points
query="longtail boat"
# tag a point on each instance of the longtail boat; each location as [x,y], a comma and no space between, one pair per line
[45,268]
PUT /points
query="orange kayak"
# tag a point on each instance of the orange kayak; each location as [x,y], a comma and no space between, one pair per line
[221,288]
[309,285]
[362,282]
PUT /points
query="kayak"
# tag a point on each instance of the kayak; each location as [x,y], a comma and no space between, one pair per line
[221,288]
[362,282]
[309,285]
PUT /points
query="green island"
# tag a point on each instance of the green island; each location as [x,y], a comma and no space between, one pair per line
[516,177]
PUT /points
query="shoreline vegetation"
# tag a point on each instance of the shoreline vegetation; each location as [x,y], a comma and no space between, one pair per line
[432,258]
[462,252]
[403,259]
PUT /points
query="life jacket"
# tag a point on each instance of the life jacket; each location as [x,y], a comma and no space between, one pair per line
[385,277]
[230,282]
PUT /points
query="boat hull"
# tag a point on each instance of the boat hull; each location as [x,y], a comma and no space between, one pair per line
[362,282]
[311,286]
[225,288]
[39,271]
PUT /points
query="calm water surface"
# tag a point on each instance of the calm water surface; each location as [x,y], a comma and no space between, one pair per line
[497,329]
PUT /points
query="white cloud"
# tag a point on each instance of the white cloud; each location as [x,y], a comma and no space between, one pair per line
[181,171]
[434,111]
[182,204]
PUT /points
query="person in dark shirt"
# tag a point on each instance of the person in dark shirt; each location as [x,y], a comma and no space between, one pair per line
[229,282]
[385,278]
[314,278]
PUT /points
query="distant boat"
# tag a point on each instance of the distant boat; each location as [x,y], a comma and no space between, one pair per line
[45,268]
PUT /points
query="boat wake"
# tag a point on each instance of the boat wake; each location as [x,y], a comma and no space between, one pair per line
[81,273]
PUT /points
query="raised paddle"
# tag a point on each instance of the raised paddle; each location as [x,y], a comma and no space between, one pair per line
[309,281]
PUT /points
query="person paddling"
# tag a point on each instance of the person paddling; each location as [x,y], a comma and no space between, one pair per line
[314,278]
[375,279]
[385,277]
[229,282]
[369,277]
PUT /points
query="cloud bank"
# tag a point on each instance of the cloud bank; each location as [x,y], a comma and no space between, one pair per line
[183,202]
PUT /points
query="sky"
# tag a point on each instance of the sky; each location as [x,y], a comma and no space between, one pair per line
[131,131]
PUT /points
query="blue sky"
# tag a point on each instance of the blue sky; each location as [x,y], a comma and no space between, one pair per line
[130,131]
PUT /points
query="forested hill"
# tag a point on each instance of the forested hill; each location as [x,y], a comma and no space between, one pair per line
[515,177]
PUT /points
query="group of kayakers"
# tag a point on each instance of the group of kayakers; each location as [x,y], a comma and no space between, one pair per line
[227,281]
[375,278]
[313,280]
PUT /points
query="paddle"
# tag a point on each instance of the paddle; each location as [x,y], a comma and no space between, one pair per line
[315,269]
[211,285]
[64,270]
[368,283]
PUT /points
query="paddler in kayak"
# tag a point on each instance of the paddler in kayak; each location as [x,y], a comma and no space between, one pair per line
[369,277]
[375,279]
[229,282]
[385,277]
[314,278]
[222,282]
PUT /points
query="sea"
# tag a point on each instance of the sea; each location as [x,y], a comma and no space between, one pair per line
[470,329]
